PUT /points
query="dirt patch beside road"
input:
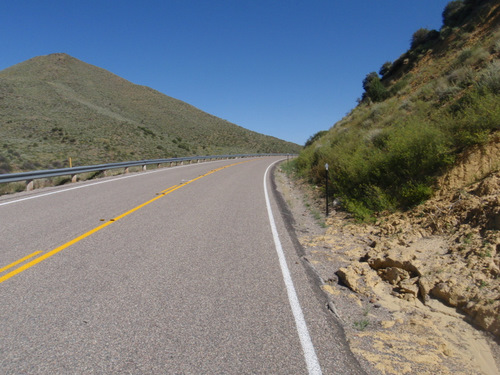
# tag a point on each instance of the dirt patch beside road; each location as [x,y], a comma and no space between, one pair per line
[416,293]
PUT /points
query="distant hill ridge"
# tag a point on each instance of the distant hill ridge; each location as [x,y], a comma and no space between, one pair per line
[54,107]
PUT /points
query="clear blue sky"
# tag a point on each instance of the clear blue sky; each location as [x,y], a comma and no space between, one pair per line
[286,68]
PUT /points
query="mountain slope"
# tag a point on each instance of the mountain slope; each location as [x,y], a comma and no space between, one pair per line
[54,107]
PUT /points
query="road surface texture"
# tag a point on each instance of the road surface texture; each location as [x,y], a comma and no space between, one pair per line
[183,270]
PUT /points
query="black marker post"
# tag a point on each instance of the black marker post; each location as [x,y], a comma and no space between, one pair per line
[326,185]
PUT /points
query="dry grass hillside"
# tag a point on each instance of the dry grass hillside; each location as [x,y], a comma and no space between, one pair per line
[54,107]
[437,100]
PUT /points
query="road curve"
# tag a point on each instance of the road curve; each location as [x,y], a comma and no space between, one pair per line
[173,271]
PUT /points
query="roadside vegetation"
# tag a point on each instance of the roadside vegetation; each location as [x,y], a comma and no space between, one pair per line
[417,114]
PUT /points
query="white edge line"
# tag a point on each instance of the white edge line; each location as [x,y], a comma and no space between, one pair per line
[100,182]
[313,366]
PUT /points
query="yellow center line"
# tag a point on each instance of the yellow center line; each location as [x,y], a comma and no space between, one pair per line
[168,190]
[19,261]
[89,233]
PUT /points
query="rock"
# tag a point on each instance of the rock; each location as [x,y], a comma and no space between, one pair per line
[425,285]
[485,314]
[395,257]
[410,286]
[359,277]
[453,295]
[393,275]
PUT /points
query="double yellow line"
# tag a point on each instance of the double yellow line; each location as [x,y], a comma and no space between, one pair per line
[89,233]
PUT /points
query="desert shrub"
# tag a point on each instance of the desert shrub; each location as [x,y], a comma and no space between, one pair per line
[471,122]
[471,57]
[489,79]
[366,124]
[406,105]
[494,45]
[391,169]
[413,194]
[398,86]
[444,91]
[462,77]
[358,210]
[414,150]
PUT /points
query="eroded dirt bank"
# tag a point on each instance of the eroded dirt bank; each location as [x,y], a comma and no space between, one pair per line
[417,292]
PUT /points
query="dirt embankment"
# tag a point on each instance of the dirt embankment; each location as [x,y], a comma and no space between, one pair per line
[417,292]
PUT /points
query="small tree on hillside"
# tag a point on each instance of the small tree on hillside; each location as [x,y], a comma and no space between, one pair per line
[384,69]
[453,12]
[374,89]
[419,37]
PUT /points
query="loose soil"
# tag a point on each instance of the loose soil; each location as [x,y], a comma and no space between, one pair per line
[416,292]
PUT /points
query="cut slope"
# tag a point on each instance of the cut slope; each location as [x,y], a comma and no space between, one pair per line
[438,99]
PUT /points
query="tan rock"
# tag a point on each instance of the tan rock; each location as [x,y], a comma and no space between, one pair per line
[393,275]
[409,286]
[359,277]
[396,257]
[425,285]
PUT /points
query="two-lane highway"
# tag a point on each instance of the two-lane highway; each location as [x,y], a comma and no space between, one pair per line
[185,270]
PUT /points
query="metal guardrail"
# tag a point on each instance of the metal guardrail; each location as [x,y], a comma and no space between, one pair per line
[29,177]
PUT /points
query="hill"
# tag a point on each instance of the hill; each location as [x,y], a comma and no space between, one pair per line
[417,115]
[54,107]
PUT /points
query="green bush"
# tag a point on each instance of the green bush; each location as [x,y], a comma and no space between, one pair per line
[374,89]
[392,169]
[422,36]
[473,119]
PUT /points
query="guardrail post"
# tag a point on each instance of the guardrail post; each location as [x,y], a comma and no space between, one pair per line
[30,184]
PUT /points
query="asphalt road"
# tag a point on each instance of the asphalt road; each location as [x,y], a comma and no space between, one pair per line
[172,271]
